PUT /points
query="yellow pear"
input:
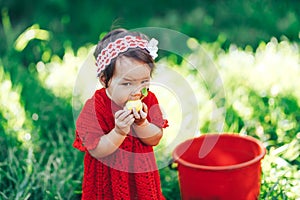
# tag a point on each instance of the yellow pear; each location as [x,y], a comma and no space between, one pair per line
[137,104]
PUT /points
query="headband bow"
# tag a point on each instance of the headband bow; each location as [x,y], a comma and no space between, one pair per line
[113,49]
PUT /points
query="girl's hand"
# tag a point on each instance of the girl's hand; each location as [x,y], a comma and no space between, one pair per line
[141,116]
[123,120]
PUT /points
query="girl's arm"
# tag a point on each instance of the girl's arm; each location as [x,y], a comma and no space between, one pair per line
[110,142]
[148,133]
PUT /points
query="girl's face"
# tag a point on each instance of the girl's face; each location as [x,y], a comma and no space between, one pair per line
[129,78]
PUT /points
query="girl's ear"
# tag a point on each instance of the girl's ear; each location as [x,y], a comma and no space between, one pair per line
[102,80]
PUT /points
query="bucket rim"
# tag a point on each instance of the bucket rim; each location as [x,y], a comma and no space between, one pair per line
[177,159]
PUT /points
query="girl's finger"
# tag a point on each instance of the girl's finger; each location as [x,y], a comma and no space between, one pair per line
[136,114]
[128,119]
[144,111]
[123,115]
[145,108]
[143,114]
[119,113]
[126,123]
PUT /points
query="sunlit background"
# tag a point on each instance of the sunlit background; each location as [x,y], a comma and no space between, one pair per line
[253,44]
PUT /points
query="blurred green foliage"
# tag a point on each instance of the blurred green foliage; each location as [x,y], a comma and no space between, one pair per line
[76,23]
[43,44]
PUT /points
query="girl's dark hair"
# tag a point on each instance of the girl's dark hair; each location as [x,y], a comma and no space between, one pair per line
[135,53]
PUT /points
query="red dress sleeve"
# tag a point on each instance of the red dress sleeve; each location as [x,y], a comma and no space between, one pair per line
[155,114]
[88,130]
[89,125]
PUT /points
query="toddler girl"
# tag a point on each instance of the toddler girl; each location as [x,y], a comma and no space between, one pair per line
[119,161]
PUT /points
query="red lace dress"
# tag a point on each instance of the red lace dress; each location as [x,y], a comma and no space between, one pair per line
[128,173]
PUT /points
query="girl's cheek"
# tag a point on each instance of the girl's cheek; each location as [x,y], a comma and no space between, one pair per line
[123,94]
[127,90]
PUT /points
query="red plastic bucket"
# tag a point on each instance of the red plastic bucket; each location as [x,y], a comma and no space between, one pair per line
[219,166]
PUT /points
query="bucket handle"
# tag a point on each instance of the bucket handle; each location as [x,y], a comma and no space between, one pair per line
[173,165]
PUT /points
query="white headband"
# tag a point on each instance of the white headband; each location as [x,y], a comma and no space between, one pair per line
[113,49]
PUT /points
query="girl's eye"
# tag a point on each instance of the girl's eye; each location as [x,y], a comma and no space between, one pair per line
[126,84]
[145,81]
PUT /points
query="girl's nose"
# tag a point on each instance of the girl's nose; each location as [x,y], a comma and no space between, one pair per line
[137,92]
